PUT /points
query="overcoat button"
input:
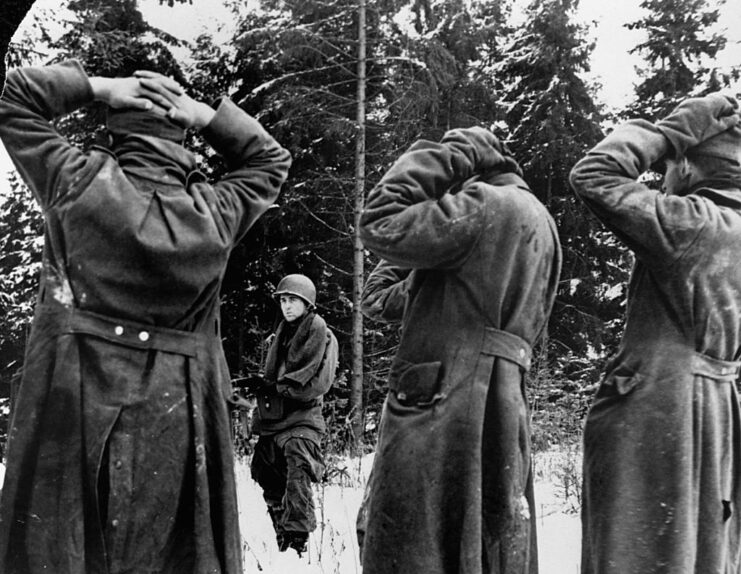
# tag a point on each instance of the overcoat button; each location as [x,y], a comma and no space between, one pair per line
[118,330]
[143,336]
[522,353]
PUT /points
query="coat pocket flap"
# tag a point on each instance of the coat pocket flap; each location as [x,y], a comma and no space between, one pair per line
[416,383]
[270,407]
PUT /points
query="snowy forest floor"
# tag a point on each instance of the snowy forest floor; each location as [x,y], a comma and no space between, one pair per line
[333,547]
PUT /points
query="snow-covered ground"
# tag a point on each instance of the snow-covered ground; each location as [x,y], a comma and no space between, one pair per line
[333,547]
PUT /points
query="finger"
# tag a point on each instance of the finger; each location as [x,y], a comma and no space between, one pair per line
[178,116]
[146,74]
[159,110]
[159,93]
[166,100]
[157,80]
[144,104]
[136,103]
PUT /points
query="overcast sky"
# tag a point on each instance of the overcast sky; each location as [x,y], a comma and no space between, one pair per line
[612,65]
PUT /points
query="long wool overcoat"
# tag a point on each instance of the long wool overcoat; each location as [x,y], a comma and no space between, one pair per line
[662,438]
[123,392]
[450,489]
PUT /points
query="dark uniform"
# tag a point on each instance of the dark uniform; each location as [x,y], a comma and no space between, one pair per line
[120,455]
[471,269]
[300,368]
[662,440]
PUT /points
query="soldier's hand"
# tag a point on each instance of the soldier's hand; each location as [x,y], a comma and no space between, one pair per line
[132,93]
[698,119]
[182,109]
[487,153]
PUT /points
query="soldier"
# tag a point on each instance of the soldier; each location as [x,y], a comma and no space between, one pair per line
[120,454]
[662,438]
[470,268]
[299,370]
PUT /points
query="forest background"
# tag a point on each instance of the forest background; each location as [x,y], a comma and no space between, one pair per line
[347,86]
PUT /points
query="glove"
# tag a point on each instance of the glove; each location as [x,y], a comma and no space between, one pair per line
[698,119]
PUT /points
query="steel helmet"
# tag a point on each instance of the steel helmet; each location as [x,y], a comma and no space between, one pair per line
[298,285]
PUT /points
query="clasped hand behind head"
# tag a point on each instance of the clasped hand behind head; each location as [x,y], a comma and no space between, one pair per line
[153,92]
[697,120]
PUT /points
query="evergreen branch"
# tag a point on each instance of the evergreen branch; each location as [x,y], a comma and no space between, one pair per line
[292,75]
[319,219]
[331,265]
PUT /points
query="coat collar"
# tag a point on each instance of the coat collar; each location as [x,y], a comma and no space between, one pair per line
[156,159]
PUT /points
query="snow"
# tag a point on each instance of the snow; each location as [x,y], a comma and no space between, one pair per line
[333,546]
[559,531]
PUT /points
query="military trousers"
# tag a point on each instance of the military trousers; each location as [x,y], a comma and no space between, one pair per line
[285,466]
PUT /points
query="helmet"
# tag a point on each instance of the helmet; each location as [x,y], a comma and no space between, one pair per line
[298,285]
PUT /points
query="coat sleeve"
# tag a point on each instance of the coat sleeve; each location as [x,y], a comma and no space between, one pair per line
[412,219]
[659,228]
[33,98]
[385,293]
[258,166]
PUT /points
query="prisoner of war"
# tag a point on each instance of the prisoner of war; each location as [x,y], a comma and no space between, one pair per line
[120,454]
[470,261]
[662,440]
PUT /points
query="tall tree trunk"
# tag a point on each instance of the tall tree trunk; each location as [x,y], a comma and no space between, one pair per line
[356,385]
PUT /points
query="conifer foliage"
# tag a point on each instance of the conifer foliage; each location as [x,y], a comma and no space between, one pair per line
[679,50]
[431,65]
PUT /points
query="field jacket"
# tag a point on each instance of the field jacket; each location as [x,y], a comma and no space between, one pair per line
[291,403]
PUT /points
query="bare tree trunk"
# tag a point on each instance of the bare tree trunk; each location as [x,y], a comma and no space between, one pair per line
[356,384]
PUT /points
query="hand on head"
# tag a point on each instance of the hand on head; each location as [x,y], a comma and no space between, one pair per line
[157,95]
[696,120]
[153,92]
[179,106]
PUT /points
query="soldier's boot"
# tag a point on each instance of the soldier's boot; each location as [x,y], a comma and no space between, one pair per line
[276,513]
[299,541]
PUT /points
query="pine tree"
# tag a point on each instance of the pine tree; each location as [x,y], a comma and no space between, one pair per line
[553,120]
[679,51]
[551,115]
[294,66]
[20,263]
